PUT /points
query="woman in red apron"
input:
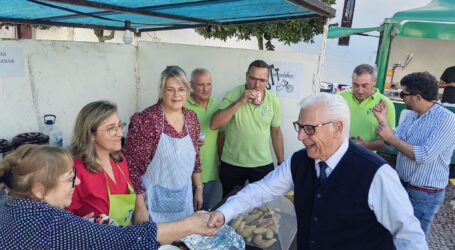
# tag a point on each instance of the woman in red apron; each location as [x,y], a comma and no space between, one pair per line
[163,154]
[105,187]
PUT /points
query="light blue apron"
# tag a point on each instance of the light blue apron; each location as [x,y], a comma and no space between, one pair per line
[167,181]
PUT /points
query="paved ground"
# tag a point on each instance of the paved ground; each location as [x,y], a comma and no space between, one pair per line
[442,234]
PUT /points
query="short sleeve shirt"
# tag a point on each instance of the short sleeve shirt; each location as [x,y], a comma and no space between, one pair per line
[209,151]
[247,135]
[363,121]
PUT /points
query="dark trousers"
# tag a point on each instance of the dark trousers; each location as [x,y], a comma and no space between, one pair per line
[232,176]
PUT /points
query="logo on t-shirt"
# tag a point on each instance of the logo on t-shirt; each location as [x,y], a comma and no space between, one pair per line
[265,111]
[370,111]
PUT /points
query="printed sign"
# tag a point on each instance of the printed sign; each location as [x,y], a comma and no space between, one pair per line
[285,79]
[11,62]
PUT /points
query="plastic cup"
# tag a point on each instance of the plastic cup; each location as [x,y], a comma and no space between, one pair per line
[202,137]
[258,99]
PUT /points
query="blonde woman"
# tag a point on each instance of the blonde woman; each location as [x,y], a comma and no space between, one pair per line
[41,180]
[163,154]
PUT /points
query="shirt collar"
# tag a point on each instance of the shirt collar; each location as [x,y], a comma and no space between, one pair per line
[333,160]
[436,106]
[15,201]
[193,103]
[373,96]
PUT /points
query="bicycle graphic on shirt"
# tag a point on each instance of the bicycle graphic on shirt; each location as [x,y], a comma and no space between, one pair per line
[283,84]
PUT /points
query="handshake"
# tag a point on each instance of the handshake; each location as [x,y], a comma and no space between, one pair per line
[206,223]
[258,228]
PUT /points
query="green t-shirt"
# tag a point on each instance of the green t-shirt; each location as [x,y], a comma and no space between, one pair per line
[247,135]
[363,121]
[209,151]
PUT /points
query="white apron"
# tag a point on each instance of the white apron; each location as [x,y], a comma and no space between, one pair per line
[167,181]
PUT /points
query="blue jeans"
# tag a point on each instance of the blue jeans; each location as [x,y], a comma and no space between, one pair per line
[425,205]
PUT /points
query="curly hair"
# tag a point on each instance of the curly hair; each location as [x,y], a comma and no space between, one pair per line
[421,83]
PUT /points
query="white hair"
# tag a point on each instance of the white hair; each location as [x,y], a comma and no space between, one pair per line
[199,71]
[334,108]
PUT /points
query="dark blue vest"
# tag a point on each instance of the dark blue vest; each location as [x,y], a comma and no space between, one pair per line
[335,214]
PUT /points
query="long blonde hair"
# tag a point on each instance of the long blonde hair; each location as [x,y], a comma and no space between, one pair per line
[32,164]
[87,122]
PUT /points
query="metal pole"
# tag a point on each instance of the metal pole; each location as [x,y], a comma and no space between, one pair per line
[383,53]
[317,78]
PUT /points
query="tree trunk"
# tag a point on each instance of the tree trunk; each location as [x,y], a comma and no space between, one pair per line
[260,43]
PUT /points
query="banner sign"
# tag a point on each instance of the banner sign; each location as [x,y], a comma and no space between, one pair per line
[285,79]
[11,62]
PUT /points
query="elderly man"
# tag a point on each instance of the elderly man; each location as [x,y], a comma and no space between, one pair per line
[346,197]
[251,115]
[425,141]
[202,103]
[361,100]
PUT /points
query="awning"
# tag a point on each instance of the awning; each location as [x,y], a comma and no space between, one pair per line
[337,32]
[434,21]
[146,15]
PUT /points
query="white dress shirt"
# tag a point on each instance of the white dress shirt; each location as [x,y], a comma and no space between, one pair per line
[386,198]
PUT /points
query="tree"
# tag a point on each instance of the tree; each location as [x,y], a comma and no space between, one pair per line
[289,31]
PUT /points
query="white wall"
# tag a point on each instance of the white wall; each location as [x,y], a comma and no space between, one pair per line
[228,67]
[430,55]
[7,32]
[60,78]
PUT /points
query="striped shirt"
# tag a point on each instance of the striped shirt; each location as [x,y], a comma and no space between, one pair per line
[432,136]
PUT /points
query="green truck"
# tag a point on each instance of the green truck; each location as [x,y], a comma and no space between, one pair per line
[426,35]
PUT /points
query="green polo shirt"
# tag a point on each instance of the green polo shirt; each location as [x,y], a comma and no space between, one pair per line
[363,121]
[247,135]
[209,151]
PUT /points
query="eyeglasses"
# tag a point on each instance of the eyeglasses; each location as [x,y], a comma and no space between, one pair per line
[113,129]
[252,78]
[73,179]
[176,91]
[402,94]
[309,129]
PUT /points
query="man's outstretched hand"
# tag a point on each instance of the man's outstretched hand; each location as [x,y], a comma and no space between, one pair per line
[216,219]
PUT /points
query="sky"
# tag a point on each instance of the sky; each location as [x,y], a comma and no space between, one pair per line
[339,60]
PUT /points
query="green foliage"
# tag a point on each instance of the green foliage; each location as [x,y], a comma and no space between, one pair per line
[289,31]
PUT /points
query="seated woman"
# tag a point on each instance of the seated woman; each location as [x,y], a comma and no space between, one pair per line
[105,183]
[163,154]
[41,181]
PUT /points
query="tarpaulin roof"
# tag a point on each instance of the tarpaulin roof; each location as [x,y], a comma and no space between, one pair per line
[435,21]
[436,10]
[337,32]
[152,15]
